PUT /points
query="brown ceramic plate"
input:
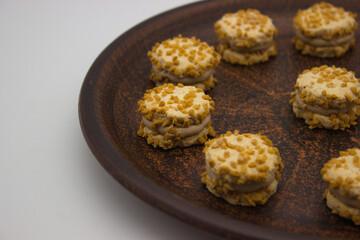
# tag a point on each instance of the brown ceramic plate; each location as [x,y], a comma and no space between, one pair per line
[250,99]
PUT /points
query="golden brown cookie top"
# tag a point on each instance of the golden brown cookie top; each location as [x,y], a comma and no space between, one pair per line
[176,105]
[326,21]
[343,173]
[246,157]
[245,28]
[183,56]
[329,87]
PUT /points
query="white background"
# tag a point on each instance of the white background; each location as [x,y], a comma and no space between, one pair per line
[51,186]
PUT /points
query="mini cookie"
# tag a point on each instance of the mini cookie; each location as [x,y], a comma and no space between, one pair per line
[246,37]
[324,30]
[243,169]
[175,116]
[184,60]
[343,176]
[327,97]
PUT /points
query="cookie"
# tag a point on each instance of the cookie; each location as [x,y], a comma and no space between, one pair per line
[184,60]
[342,174]
[246,37]
[175,116]
[243,169]
[327,97]
[324,30]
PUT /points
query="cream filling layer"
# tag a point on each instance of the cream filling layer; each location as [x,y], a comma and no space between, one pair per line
[349,201]
[321,110]
[185,132]
[320,42]
[185,80]
[247,187]
[259,47]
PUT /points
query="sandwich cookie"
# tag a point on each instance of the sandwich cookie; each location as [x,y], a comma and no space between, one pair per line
[175,116]
[184,60]
[246,37]
[324,30]
[243,169]
[342,174]
[327,97]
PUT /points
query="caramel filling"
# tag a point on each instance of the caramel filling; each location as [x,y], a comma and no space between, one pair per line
[258,47]
[185,80]
[247,187]
[320,42]
[185,132]
[349,201]
[321,110]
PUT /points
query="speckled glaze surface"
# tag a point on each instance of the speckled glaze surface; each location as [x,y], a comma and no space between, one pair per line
[249,99]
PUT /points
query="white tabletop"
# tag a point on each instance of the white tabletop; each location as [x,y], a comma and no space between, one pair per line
[51,186]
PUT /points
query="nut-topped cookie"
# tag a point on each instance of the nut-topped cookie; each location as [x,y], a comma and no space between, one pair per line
[324,30]
[175,116]
[243,169]
[184,60]
[342,174]
[246,37]
[327,97]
